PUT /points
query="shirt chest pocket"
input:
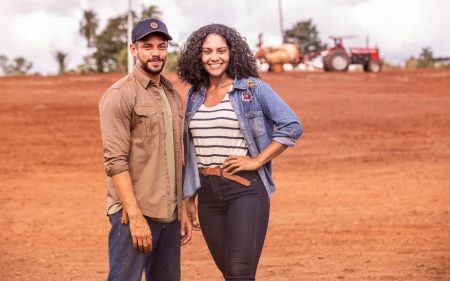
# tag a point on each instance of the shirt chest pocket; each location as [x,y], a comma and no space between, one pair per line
[146,121]
[256,122]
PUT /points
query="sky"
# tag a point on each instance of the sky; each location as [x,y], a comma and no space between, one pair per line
[35,29]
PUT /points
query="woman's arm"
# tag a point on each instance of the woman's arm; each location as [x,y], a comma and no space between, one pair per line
[287,130]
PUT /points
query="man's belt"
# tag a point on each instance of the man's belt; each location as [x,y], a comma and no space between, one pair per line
[221,173]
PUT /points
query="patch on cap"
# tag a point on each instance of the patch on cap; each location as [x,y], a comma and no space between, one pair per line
[154,25]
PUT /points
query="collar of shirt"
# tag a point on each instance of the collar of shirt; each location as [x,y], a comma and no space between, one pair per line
[147,81]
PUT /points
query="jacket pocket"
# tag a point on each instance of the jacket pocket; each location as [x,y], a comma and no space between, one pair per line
[146,123]
[257,122]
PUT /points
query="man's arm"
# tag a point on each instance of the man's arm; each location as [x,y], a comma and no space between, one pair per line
[115,123]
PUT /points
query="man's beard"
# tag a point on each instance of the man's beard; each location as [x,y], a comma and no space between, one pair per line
[150,71]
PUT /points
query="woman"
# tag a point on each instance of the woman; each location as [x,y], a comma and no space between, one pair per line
[235,124]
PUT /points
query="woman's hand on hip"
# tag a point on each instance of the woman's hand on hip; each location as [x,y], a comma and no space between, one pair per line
[233,164]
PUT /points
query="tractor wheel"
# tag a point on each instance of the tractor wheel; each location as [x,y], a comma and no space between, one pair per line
[337,61]
[373,66]
[276,67]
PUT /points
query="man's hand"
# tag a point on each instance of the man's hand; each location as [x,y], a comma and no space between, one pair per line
[186,227]
[140,233]
[192,213]
[233,164]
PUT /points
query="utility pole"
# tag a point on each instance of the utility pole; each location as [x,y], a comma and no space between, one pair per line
[129,28]
[280,14]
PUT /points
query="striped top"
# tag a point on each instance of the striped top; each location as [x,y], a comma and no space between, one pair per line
[216,134]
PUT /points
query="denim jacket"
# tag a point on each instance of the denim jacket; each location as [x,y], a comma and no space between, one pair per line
[263,117]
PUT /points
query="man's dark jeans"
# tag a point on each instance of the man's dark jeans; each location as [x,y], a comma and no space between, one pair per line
[160,264]
[234,220]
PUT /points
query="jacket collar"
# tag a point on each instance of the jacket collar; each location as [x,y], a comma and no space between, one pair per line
[240,84]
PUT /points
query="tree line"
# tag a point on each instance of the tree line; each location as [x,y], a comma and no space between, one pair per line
[107,48]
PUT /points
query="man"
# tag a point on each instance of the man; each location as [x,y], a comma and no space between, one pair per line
[141,121]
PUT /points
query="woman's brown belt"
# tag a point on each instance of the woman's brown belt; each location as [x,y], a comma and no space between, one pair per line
[221,173]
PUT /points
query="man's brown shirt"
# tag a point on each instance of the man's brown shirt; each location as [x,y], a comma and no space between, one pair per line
[132,127]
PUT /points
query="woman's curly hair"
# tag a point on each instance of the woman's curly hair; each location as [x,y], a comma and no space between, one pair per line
[189,65]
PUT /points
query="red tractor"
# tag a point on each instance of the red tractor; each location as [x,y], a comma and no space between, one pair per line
[338,59]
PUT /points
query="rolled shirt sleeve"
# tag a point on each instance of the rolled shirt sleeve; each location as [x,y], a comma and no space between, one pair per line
[287,126]
[115,122]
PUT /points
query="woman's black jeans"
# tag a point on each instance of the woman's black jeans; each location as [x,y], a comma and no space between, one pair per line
[234,220]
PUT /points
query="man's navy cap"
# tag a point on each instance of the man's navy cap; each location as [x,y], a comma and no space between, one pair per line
[149,26]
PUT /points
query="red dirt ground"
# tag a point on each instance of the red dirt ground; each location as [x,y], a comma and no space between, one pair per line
[364,195]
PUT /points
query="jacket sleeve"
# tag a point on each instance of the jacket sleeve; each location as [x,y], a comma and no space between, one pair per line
[191,179]
[115,124]
[287,126]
